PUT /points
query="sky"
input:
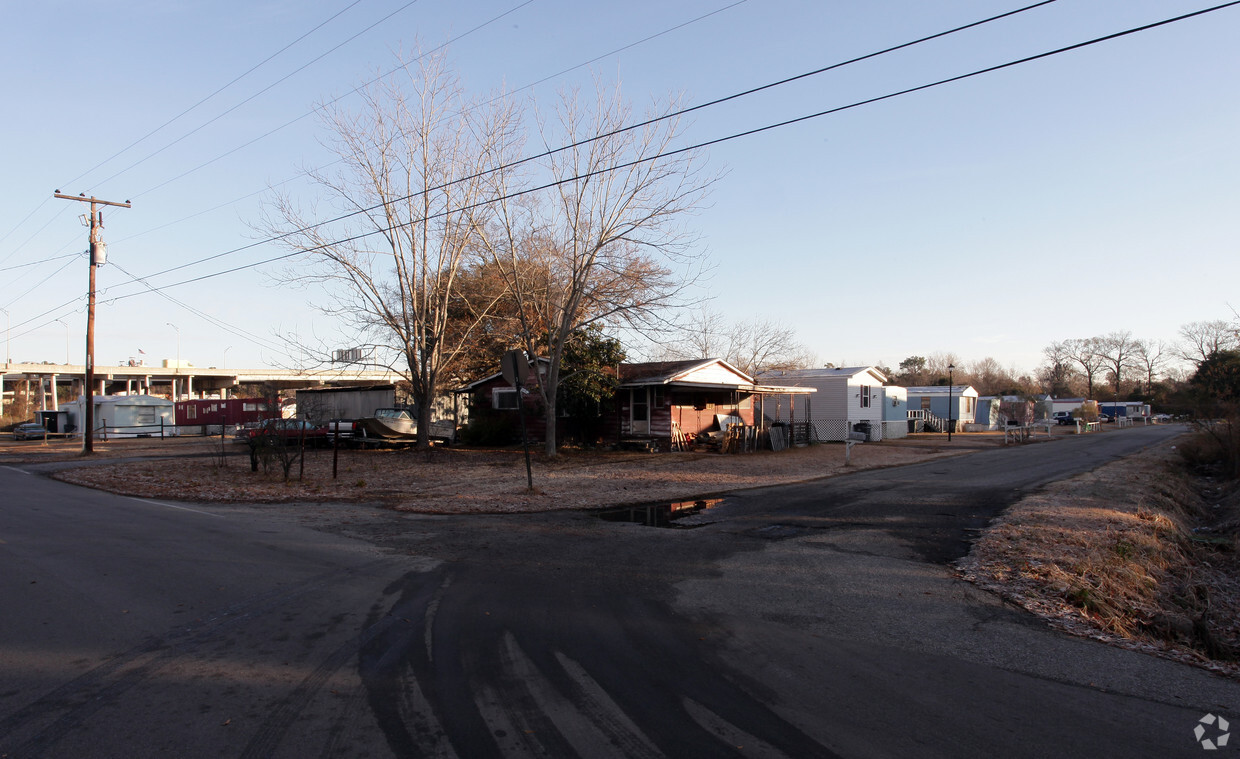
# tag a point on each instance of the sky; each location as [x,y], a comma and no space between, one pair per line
[1071,196]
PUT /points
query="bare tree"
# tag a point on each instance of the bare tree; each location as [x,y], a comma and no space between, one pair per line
[1056,373]
[760,345]
[412,176]
[1118,352]
[753,346]
[1149,357]
[605,244]
[989,376]
[1087,354]
[936,367]
[1200,340]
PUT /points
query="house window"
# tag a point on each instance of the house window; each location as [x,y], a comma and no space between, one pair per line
[865,396]
[969,405]
[191,412]
[504,398]
[658,401]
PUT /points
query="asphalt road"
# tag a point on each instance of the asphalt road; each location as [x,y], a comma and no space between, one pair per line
[815,620]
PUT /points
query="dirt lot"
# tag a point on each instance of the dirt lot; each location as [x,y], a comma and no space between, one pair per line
[456,481]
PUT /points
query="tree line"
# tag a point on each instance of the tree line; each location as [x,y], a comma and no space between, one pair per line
[1115,365]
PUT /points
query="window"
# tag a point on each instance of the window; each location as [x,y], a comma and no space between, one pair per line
[865,396]
[504,398]
[658,398]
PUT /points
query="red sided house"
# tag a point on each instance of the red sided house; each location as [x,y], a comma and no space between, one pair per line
[662,400]
[655,402]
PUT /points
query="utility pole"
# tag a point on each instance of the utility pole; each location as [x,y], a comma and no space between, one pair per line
[98,257]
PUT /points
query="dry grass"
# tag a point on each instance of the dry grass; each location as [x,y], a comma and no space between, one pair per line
[456,481]
[1119,554]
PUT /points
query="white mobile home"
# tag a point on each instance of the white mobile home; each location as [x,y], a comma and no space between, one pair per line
[848,399]
[988,414]
[895,412]
[126,415]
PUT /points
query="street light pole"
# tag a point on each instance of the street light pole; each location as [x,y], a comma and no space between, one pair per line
[224,363]
[177,371]
[62,321]
[950,367]
[7,358]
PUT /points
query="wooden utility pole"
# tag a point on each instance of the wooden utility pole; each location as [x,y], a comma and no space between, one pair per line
[98,256]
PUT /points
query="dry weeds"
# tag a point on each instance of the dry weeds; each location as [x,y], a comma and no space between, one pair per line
[1120,554]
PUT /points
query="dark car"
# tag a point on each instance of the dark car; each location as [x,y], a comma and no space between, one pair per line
[288,432]
[29,431]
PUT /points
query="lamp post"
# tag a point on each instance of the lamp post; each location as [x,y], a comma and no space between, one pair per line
[66,326]
[950,367]
[224,363]
[177,370]
[7,358]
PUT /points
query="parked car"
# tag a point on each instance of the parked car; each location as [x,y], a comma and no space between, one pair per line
[1064,417]
[1105,418]
[28,431]
[243,432]
[289,432]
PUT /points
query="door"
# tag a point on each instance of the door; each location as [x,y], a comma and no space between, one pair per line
[639,411]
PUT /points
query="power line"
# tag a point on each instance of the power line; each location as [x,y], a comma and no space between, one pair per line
[36,263]
[238,78]
[41,282]
[700,145]
[227,327]
[614,132]
[338,160]
[256,94]
[35,234]
[248,71]
[289,123]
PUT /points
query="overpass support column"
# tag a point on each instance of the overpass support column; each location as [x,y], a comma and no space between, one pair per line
[55,398]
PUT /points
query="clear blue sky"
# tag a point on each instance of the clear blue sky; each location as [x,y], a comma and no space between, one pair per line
[1073,196]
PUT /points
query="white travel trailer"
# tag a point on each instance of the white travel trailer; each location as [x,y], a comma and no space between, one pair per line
[125,415]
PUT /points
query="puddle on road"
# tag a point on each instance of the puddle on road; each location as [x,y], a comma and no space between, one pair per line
[660,514]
